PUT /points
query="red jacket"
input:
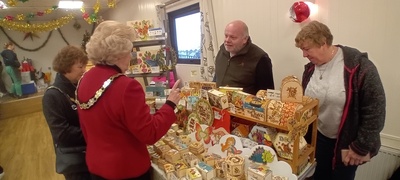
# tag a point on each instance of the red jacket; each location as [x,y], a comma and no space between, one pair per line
[119,125]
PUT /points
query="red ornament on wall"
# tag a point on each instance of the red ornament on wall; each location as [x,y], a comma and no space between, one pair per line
[299,11]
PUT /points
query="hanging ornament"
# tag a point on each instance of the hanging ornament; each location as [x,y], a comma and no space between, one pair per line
[31,35]
[40,13]
[85,15]
[299,11]
[93,17]
[20,17]
[11,2]
[9,18]
[111,3]
[48,11]
[96,7]
[76,25]
[30,16]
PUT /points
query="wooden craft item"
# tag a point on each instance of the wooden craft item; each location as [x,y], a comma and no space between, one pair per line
[228,91]
[291,90]
[193,119]
[259,172]
[218,99]
[234,165]
[284,147]
[262,135]
[193,174]
[207,172]
[180,168]
[190,159]
[172,155]
[205,112]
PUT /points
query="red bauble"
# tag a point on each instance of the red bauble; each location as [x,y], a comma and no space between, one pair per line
[299,11]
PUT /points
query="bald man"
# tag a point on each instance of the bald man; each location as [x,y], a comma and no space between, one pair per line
[240,63]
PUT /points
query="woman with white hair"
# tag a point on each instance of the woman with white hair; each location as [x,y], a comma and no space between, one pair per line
[115,119]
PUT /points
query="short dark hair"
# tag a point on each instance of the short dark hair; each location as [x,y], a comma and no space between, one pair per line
[67,57]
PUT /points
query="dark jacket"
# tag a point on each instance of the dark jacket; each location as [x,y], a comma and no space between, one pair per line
[365,107]
[62,117]
[250,69]
[10,58]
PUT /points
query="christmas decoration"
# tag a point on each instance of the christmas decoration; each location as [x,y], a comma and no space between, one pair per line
[37,27]
[31,35]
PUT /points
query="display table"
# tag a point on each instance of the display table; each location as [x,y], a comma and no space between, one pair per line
[158,174]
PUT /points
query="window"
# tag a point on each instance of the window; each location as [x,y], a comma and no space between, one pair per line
[185,33]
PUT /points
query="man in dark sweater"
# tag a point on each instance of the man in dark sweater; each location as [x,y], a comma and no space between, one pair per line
[240,63]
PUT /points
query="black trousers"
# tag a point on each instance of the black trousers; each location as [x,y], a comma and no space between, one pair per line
[324,155]
[145,176]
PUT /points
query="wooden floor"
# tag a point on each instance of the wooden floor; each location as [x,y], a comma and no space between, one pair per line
[26,150]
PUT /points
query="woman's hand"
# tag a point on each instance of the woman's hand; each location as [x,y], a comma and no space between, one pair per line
[349,157]
[175,93]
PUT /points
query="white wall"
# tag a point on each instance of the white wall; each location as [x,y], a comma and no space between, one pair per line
[43,57]
[368,25]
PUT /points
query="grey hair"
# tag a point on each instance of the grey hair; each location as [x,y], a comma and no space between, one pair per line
[110,41]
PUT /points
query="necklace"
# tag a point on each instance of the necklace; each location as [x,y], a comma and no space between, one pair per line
[322,73]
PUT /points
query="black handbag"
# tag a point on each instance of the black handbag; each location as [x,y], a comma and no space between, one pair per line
[70,159]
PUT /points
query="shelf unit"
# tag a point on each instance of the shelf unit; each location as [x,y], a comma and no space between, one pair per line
[300,159]
[154,42]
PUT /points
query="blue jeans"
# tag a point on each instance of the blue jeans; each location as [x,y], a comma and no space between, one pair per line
[324,155]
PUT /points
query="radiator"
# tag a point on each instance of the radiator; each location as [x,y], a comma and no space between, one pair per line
[381,167]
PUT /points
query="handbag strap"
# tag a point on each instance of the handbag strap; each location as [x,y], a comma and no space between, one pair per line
[70,100]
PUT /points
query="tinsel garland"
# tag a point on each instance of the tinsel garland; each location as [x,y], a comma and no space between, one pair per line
[37,27]
[26,49]
[44,43]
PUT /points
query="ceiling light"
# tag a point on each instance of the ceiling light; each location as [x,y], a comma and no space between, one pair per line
[70,4]
[3,5]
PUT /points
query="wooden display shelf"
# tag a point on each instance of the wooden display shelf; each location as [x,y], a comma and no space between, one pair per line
[307,153]
[146,75]
[150,42]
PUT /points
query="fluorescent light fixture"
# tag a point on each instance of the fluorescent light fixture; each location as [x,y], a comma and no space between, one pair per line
[70,4]
[3,5]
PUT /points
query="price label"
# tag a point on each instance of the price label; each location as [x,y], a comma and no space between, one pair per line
[273,94]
